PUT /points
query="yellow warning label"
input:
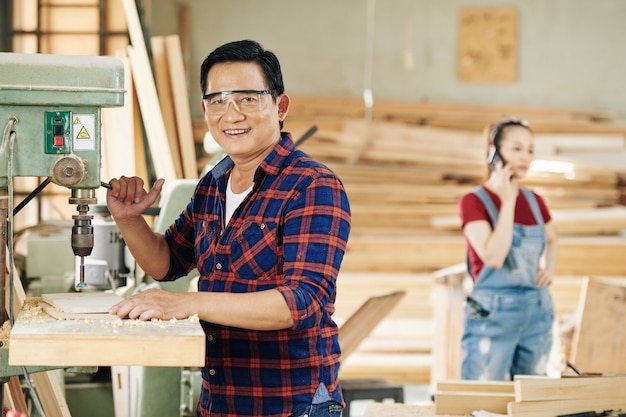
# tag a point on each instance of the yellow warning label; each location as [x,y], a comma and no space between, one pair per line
[83,134]
[77,121]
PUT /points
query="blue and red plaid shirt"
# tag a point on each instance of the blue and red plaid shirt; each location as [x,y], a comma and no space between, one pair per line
[289,234]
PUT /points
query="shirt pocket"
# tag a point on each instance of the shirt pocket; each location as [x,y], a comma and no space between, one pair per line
[204,231]
[254,251]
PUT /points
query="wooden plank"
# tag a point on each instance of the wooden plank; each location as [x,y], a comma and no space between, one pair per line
[82,302]
[600,333]
[184,31]
[401,251]
[365,319]
[560,407]
[147,95]
[141,163]
[181,106]
[51,394]
[503,387]
[464,403]
[164,91]
[576,388]
[14,395]
[464,397]
[151,116]
[573,222]
[104,342]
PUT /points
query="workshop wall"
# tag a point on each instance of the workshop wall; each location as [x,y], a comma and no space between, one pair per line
[569,51]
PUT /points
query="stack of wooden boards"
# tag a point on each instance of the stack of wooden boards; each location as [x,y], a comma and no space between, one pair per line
[404,175]
[532,396]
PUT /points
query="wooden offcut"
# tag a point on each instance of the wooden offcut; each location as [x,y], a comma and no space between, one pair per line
[365,319]
[600,332]
[465,397]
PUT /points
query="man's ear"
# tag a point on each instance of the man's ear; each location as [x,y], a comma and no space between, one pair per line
[283,106]
[206,117]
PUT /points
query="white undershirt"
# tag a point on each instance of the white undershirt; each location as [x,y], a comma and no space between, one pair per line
[233,200]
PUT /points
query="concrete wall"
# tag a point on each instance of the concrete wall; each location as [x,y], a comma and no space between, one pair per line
[571,53]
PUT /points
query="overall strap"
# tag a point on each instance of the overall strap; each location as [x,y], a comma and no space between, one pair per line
[484,197]
[534,205]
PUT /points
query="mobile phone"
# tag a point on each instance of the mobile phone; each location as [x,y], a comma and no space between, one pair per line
[493,158]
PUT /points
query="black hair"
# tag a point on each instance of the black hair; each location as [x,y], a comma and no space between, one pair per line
[246,51]
[495,130]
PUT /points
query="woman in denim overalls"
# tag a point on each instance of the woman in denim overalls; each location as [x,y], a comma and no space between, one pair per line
[511,253]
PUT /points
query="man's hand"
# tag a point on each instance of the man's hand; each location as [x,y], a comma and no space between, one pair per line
[154,304]
[127,198]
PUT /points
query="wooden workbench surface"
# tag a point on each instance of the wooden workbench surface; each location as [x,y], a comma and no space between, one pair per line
[37,339]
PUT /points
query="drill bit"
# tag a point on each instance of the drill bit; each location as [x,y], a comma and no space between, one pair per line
[81,268]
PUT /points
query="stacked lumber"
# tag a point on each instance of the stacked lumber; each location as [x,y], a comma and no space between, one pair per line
[404,182]
[166,116]
[530,396]
[327,111]
[548,397]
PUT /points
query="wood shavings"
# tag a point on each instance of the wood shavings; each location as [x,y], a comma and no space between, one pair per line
[5,331]
[31,311]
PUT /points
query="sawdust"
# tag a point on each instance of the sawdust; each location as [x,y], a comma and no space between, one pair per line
[5,331]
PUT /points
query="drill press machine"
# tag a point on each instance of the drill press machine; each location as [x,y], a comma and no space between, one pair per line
[50,121]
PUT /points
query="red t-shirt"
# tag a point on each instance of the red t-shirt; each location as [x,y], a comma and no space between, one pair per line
[472,209]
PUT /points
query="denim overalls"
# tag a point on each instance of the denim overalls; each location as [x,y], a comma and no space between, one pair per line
[507,318]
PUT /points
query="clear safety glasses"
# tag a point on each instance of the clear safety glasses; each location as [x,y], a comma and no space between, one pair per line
[245,101]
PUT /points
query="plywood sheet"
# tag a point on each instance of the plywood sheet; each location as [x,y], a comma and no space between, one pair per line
[82,302]
[40,340]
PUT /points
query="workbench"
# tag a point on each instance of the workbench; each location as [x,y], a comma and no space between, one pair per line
[38,339]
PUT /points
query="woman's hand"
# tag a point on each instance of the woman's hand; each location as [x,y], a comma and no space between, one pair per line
[543,278]
[503,183]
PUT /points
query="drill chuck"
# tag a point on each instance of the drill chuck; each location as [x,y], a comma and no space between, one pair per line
[82,237]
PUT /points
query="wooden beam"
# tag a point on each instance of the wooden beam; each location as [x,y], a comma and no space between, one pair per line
[186,142]
[164,91]
[575,388]
[147,95]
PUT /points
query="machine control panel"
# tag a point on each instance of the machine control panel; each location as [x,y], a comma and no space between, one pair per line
[58,132]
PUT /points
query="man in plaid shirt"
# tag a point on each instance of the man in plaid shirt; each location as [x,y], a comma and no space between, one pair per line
[267,229]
